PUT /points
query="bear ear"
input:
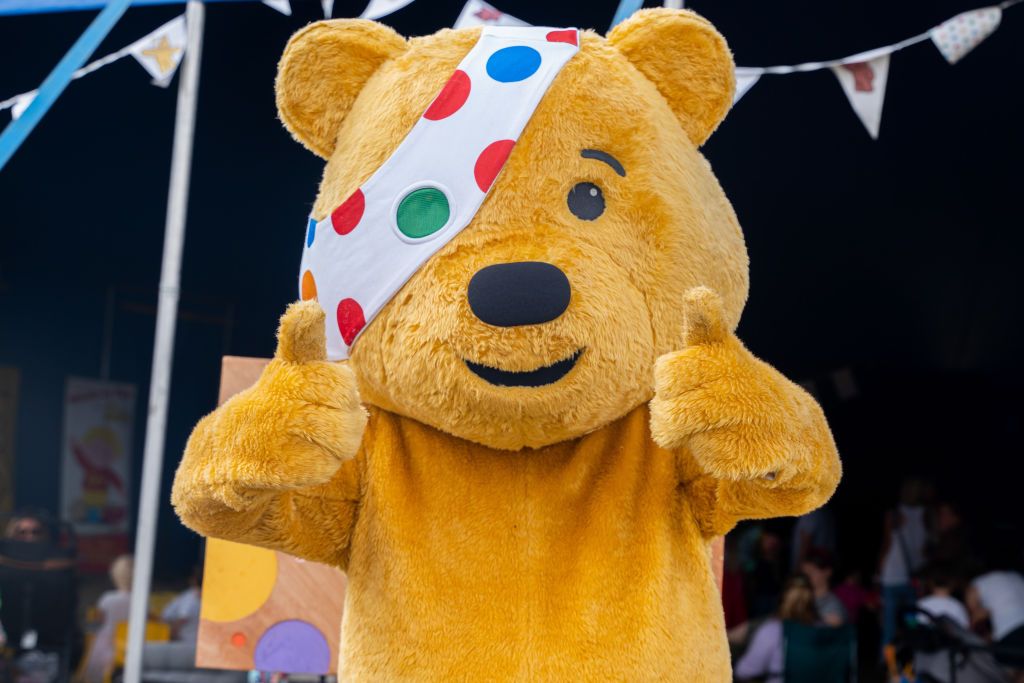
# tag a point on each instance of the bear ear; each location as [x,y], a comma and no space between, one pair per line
[687,59]
[322,71]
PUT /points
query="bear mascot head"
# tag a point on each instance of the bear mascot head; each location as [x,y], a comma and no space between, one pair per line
[512,406]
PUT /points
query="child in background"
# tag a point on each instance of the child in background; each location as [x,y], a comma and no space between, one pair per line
[940,583]
[113,606]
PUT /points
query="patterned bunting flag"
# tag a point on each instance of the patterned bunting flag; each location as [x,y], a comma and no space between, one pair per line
[964,32]
[161,51]
[744,82]
[864,85]
[381,8]
[479,13]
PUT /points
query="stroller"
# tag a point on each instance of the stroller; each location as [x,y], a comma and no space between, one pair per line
[39,596]
[942,651]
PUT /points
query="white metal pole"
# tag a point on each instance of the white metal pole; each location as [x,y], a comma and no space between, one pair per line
[674,4]
[163,347]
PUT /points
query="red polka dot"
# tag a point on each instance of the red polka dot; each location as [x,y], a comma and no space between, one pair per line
[350,319]
[308,289]
[568,35]
[451,98]
[238,639]
[490,161]
[347,216]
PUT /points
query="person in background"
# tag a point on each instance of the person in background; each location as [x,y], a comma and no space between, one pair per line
[767,575]
[817,567]
[27,527]
[815,531]
[904,537]
[765,656]
[950,545]
[940,582]
[113,607]
[997,597]
[854,596]
[182,613]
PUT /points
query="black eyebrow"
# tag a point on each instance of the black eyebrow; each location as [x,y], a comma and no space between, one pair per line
[606,158]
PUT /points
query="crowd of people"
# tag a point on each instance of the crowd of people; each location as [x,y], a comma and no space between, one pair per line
[929,573]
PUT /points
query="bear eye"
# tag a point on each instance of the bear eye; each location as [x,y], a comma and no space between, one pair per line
[586,201]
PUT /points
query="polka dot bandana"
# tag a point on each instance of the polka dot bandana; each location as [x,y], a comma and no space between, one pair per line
[961,34]
[429,189]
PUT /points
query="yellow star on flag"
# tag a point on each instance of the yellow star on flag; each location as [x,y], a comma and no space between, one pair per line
[164,54]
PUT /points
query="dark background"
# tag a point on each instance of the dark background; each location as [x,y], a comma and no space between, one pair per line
[896,258]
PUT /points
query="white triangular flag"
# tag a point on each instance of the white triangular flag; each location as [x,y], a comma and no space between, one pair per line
[282,6]
[328,6]
[479,13]
[964,32]
[864,85]
[381,8]
[161,51]
[744,82]
[21,104]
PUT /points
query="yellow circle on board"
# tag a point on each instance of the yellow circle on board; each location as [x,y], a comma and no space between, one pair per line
[237,580]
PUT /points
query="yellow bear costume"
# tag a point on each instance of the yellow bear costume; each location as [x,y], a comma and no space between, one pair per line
[557,532]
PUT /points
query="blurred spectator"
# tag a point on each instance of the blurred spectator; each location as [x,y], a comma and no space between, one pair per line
[113,607]
[27,527]
[765,578]
[997,597]
[939,584]
[817,567]
[904,536]
[765,657]
[854,596]
[950,545]
[182,613]
[815,531]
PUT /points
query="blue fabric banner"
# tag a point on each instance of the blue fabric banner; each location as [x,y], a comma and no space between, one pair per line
[53,86]
[624,11]
[43,6]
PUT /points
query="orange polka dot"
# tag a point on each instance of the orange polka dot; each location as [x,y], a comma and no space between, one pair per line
[308,286]
[239,639]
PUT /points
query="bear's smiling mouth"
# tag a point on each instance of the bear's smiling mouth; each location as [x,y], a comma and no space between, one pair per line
[548,374]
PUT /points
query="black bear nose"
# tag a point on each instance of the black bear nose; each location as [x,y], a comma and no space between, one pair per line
[525,293]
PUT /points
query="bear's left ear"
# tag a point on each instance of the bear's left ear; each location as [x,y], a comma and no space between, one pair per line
[322,71]
[687,59]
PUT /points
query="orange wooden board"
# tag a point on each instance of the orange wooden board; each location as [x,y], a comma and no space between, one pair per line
[265,609]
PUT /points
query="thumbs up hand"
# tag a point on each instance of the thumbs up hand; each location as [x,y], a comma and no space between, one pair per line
[290,430]
[738,416]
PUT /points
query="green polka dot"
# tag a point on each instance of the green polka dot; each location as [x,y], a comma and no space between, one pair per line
[422,212]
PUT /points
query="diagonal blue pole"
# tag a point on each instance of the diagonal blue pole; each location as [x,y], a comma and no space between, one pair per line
[625,11]
[53,86]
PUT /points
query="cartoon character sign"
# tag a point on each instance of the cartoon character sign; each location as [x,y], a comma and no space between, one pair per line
[545,416]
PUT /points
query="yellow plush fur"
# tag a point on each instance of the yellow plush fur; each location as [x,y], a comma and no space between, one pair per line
[545,533]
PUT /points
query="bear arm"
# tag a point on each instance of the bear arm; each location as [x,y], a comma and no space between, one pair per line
[313,522]
[784,463]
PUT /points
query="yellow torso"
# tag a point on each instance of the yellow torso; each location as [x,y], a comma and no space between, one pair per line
[579,561]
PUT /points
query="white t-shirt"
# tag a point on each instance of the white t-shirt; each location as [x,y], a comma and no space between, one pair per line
[1002,594]
[908,541]
[185,606]
[945,606]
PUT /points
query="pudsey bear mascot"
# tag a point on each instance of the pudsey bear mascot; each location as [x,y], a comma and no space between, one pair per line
[511,405]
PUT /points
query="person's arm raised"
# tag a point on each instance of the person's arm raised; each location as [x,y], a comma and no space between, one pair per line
[751,443]
[276,465]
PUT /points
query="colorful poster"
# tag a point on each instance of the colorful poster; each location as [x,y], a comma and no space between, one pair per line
[97,454]
[8,415]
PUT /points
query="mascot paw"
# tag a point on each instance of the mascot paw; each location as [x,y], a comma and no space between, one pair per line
[294,427]
[715,398]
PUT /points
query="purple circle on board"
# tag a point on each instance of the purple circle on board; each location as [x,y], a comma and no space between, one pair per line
[293,646]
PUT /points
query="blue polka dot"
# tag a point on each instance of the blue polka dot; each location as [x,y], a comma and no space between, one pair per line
[511,64]
[310,232]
